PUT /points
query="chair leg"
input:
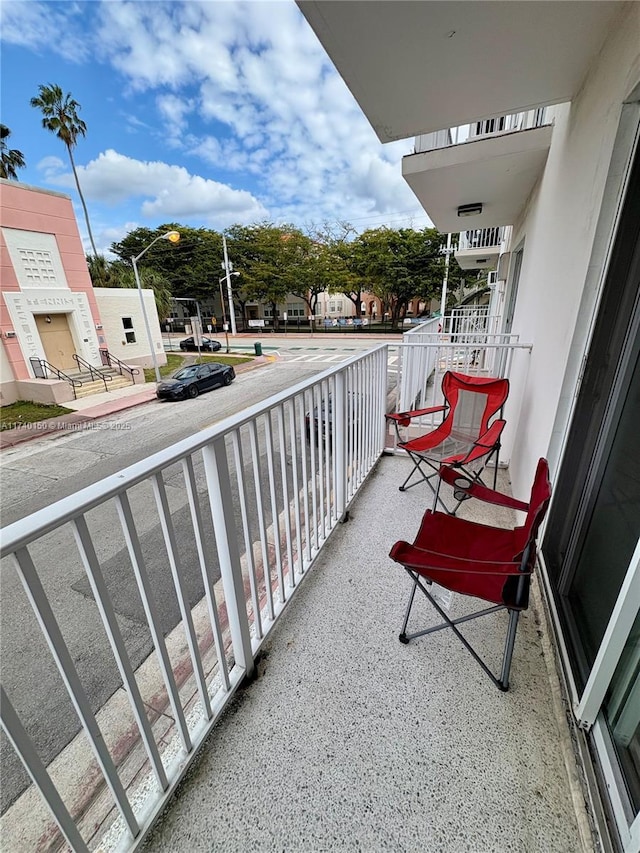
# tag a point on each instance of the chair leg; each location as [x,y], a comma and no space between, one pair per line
[508,649]
[501,683]
[424,478]
[495,470]
[403,633]
[438,500]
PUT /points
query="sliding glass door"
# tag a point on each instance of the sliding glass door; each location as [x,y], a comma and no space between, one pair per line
[592,541]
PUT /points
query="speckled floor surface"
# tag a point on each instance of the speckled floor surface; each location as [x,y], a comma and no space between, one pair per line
[350,741]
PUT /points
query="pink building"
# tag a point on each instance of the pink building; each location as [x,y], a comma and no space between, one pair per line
[47,306]
[49,312]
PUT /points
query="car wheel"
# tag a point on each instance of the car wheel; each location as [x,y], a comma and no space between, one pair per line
[192,391]
[227,379]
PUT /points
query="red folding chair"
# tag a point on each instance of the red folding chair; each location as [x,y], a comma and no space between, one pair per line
[467,438]
[491,563]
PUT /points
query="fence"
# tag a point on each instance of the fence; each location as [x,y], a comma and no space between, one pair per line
[238,513]
[474,320]
[481,238]
[426,356]
[488,127]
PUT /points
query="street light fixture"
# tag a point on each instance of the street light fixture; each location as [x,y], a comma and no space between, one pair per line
[172,237]
[225,325]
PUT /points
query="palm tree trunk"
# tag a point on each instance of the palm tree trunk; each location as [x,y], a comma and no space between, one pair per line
[84,206]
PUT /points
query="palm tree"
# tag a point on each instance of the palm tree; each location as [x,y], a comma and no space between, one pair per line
[10,159]
[60,116]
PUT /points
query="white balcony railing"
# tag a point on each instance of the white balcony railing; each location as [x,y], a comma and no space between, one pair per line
[471,320]
[262,491]
[481,238]
[424,357]
[488,127]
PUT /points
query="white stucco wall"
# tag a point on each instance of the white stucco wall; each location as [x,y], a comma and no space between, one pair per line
[115,304]
[8,393]
[560,259]
[44,289]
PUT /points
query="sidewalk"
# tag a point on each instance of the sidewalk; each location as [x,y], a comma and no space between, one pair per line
[96,406]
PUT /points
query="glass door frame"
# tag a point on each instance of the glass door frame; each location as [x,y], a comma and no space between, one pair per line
[587,710]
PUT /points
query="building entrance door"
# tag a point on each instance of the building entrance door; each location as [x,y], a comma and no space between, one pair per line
[56,340]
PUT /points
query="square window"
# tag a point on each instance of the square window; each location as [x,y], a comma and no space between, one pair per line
[130,337]
[127,323]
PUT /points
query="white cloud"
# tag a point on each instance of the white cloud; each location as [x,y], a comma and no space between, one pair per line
[258,70]
[52,168]
[242,93]
[32,24]
[167,192]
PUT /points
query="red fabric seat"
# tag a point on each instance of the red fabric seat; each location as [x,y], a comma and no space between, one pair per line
[491,563]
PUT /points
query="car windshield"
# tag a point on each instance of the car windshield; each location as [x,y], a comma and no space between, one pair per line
[186,372]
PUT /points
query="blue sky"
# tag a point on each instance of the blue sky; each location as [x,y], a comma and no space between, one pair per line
[205,113]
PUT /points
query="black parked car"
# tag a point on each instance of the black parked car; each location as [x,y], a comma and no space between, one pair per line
[193,380]
[206,344]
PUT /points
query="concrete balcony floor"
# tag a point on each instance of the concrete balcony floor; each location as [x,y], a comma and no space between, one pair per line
[350,741]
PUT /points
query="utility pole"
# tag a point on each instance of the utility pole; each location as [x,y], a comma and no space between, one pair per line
[446,251]
[227,267]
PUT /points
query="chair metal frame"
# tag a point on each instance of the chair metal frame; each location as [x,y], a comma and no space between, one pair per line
[446,445]
[458,569]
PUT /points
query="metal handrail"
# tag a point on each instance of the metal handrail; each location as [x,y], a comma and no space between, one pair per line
[92,370]
[44,366]
[120,365]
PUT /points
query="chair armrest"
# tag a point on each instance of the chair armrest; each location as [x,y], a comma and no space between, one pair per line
[422,561]
[405,418]
[461,483]
[486,443]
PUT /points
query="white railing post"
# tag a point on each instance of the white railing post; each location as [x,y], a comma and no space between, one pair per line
[23,745]
[216,468]
[340,442]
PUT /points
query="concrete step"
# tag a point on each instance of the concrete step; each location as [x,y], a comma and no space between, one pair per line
[97,386]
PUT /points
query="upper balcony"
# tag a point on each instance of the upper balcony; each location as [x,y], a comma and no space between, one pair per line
[479,248]
[448,59]
[479,174]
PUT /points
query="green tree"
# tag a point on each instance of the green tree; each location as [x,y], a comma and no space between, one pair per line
[400,265]
[192,266]
[60,116]
[269,260]
[325,266]
[118,274]
[10,158]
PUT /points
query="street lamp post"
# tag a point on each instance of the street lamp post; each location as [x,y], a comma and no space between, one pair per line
[447,253]
[225,325]
[227,267]
[173,237]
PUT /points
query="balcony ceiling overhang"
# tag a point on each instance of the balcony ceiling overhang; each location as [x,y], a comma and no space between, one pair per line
[498,171]
[473,259]
[417,67]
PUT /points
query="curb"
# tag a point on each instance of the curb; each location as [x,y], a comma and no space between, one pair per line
[77,421]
